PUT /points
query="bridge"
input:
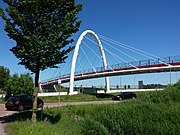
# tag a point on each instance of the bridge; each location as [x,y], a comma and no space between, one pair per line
[150,65]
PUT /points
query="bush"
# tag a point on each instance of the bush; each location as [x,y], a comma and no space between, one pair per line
[92,127]
[177,85]
[164,96]
[52,114]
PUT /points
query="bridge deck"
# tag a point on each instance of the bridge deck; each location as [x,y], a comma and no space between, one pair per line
[142,69]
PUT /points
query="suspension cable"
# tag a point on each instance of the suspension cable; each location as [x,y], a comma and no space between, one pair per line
[80,66]
[88,59]
[119,57]
[93,53]
[127,46]
[133,49]
[97,44]
[120,51]
[69,64]
[110,53]
[90,49]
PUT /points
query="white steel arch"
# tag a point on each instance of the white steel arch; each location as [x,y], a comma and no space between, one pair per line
[71,90]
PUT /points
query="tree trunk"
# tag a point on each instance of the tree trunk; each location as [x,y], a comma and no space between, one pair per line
[36,87]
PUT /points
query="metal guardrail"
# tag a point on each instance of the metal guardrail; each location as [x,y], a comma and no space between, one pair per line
[165,60]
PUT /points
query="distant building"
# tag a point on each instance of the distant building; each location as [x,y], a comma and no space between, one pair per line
[140,84]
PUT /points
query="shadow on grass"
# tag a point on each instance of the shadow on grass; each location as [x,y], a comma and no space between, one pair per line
[26,115]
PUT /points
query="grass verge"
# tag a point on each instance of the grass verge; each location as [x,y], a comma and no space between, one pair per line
[77,98]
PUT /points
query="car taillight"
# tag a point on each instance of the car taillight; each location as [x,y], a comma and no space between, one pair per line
[17,102]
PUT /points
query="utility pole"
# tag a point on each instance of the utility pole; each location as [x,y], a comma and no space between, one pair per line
[120,82]
[134,81]
[170,76]
[59,82]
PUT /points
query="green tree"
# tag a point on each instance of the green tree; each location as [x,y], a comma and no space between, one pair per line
[19,84]
[4,76]
[177,85]
[42,30]
[117,86]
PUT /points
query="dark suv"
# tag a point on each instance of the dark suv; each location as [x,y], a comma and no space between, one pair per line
[21,102]
[124,95]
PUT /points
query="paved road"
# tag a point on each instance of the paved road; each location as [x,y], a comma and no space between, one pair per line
[80,103]
[2,109]
[4,113]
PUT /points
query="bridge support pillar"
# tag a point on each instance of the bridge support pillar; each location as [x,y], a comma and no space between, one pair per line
[71,90]
[107,85]
[40,87]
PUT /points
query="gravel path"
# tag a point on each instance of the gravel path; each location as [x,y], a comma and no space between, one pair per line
[4,113]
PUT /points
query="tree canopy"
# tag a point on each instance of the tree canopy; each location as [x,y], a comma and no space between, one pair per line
[17,84]
[4,76]
[42,30]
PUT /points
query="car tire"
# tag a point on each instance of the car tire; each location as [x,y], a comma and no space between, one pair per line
[133,97]
[21,108]
[120,98]
[9,109]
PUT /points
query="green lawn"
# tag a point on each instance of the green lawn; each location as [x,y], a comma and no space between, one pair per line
[2,101]
[77,98]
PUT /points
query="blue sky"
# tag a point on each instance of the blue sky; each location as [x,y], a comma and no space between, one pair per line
[149,25]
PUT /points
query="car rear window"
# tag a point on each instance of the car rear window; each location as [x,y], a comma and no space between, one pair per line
[14,98]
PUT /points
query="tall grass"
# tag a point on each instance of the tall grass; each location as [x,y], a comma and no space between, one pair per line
[152,113]
[138,119]
[156,113]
